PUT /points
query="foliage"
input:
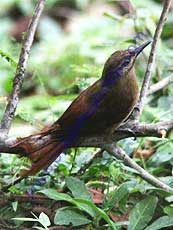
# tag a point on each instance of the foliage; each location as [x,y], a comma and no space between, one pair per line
[43,219]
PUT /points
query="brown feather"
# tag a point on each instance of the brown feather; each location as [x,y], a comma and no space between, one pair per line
[114,105]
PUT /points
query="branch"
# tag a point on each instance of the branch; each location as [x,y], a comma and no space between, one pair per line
[151,60]
[104,142]
[19,76]
[120,154]
[140,130]
[160,85]
[32,198]
[89,163]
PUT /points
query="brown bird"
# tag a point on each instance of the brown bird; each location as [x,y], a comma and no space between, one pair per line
[100,108]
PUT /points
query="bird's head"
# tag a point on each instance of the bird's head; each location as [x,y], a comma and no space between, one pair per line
[122,62]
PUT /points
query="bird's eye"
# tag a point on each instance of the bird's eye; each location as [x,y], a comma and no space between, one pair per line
[126,61]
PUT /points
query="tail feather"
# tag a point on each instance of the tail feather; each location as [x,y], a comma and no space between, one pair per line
[38,154]
[43,158]
[41,154]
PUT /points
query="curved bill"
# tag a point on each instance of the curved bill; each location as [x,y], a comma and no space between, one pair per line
[139,49]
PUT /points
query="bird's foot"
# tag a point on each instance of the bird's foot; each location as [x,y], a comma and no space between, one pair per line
[128,130]
[132,115]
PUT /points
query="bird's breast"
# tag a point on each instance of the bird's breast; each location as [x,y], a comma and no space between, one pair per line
[122,97]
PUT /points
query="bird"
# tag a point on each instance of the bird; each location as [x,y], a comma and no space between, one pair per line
[101,108]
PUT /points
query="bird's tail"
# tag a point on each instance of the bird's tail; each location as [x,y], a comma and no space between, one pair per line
[41,148]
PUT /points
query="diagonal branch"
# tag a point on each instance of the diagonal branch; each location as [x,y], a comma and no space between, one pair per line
[19,76]
[120,154]
[151,59]
[160,85]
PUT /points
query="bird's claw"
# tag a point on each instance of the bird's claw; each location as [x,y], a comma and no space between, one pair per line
[131,115]
[127,130]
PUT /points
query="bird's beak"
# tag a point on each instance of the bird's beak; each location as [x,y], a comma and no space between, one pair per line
[139,49]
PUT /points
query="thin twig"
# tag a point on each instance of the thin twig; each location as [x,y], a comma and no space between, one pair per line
[33,198]
[73,161]
[19,76]
[120,154]
[160,85]
[89,163]
[151,59]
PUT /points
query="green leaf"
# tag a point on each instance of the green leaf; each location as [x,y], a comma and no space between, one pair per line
[54,195]
[112,16]
[84,205]
[26,116]
[44,219]
[168,210]
[162,222]
[78,188]
[70,216]
[163,155]
[142,213]
[99,211]
[8,58]
[14,205]
[120,193]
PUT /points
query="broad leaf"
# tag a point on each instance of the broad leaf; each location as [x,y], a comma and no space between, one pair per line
[99,211]
[162,155]
[14,205]
[120,193]
[54,195]
[70,216]
[44,219]
[78,188]
[162,222]
[168,210]
[142,213]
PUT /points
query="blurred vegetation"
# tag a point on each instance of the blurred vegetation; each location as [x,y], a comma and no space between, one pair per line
[73,40]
